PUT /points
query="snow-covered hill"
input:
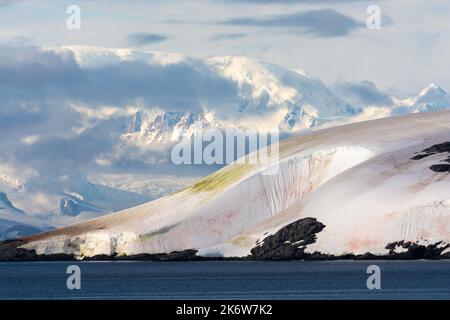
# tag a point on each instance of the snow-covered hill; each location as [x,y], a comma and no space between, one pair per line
[378,186]
[83,152]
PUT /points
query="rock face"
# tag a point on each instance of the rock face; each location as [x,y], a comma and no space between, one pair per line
[436,149]
[289,242]
[413,251]
[10,251]
[186,255]
[440,167]
[274,247]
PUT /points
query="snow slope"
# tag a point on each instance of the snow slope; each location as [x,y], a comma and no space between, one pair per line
[358,179]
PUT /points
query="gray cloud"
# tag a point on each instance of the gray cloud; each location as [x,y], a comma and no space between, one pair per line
[363,93]
[4,3]
[33,79]
[141,39]
[39,86]
[293,1]
[227,36]
[321,23]
[66,154]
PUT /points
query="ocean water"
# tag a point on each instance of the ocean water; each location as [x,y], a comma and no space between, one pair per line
[226,280]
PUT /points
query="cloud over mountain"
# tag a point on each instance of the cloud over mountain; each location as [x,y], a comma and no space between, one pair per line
[34,77]
[141,39]
[363,93]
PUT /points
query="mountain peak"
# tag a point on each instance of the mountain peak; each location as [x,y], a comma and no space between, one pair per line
[432,88]
[4,200]
[430,98]
[6,203]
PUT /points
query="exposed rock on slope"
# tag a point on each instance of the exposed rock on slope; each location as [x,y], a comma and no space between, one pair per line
[290,241]
[436,150]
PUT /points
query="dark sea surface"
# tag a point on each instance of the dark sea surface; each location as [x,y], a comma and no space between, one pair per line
[226,280]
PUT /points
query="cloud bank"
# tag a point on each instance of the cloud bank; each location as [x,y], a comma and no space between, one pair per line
[321,23]
[363,93]
[40,88]
[33,78]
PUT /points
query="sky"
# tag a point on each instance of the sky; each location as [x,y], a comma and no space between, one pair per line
[328,39]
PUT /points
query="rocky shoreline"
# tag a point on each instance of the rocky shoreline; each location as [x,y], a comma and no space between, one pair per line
[417,252]
[289,243]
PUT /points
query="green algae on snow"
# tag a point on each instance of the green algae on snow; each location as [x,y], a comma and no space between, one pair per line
[222,178]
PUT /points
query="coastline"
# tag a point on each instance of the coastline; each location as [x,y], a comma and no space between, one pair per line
[415,252]
[288,243]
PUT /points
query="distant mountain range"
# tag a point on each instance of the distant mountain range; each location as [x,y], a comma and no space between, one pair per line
[15,223]
[430,98]
[268,95]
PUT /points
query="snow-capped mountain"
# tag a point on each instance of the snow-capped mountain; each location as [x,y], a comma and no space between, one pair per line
[430,98]
[377,187]
[377,104]
[306,100]
[267,96]
[278,97]
[15,223]
[68,196]
[264,95]
[149,127]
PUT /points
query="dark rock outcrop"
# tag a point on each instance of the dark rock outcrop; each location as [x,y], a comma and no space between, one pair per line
[10,251]
[416,251]
[289,242]
[16,254]
[436,149]
[440,167]
[421,156]
[186,255]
